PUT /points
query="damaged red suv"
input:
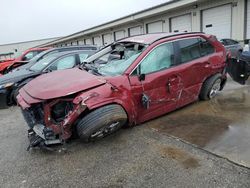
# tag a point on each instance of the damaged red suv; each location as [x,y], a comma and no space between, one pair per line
[128,82]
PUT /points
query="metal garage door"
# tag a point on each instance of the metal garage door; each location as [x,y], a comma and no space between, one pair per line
[81,42]
[134,31]
[155,27]
[88,41]
[107,39]
[217,21]
[181,23]
[248,20]
[97,41]
[119,35]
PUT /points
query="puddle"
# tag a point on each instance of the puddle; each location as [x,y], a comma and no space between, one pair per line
[185,159]
[221,126]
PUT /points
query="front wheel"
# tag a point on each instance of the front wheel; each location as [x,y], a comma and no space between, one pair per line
[101,122]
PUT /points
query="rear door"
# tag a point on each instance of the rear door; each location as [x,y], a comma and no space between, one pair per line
[194,68]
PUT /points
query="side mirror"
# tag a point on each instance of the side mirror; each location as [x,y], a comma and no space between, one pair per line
[142,77]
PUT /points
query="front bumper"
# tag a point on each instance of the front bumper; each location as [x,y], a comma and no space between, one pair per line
[41,136]
[4,98]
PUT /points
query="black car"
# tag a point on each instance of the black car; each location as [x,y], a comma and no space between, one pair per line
[13,81]
[24,65]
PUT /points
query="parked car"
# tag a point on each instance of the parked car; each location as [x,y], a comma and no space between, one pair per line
[128,82]
[11,83]
[24,58]
[233,46]
[16,66]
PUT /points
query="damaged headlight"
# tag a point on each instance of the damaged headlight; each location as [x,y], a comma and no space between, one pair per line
[3,86]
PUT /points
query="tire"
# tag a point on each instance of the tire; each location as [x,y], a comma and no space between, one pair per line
[101,122]
[210,87]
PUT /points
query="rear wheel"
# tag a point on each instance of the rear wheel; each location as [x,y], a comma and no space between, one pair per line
[211,87]
[101,122]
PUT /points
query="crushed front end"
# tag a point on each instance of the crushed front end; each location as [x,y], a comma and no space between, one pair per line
[50,121]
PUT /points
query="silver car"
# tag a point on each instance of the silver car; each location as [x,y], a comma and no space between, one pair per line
[233,46]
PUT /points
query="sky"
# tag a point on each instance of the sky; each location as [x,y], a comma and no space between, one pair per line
[24,20]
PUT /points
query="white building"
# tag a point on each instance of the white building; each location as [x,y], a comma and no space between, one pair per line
[17,48]
[223,18]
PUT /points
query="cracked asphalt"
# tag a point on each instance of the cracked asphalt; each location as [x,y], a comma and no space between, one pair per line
[147,155]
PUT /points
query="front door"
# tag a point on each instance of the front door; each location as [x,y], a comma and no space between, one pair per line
[156,83]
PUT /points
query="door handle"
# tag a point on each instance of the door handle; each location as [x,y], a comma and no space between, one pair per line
[173,78]
[169,86]
[208,63]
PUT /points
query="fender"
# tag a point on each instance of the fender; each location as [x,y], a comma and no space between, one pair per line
[105,95]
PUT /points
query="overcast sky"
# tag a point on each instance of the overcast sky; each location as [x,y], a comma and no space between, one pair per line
[23,20]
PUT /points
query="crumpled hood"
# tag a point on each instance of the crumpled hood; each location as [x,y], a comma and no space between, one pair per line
[62,83]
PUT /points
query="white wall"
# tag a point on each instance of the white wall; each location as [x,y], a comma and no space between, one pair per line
[22,46]
[194,9]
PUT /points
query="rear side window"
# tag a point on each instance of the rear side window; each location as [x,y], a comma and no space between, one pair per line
[189,49]
[206,47]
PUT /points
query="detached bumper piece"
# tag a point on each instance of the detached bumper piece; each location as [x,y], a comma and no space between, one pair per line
[41,137]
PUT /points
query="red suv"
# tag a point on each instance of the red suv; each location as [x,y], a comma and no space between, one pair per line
[22,59]
[126,83]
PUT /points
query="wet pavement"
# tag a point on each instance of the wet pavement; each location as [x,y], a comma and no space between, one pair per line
[220,126]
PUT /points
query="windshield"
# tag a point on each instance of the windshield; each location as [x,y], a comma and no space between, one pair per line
[40,65]
[115,59]
[117,67]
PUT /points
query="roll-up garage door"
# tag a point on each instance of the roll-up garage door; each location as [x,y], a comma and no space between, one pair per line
[134,31]
[81,42]
[181,23]
[119,35]
[155,27]
[107,39]
[88,41]
[248,20]
[218,21]
[97,41]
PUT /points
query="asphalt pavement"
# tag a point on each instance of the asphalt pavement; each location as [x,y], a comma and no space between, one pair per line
[202,145]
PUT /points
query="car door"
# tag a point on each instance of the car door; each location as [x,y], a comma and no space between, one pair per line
[239,69]
[194,67]
[156,83]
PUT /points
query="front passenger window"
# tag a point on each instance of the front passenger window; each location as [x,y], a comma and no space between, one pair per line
[63,63]
[162,57]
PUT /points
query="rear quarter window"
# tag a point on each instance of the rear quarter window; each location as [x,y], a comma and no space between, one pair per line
[189,49]
[206,47]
